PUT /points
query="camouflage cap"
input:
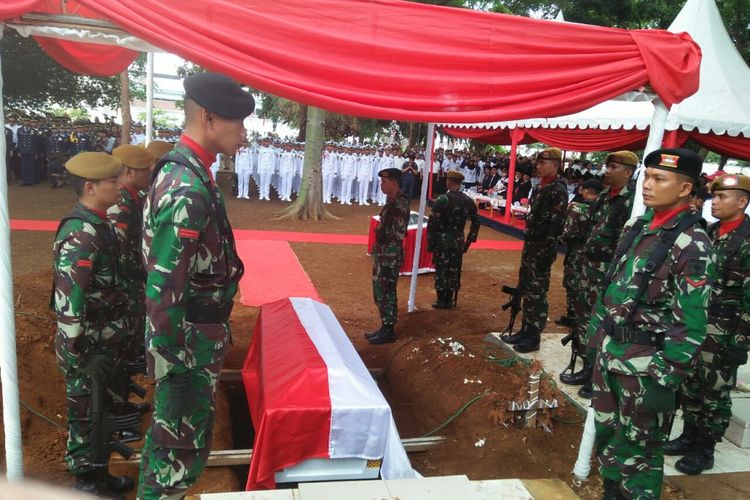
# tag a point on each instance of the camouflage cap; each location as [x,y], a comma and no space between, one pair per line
[678,160]
[550,154]
[159,148]
[219,94]
[94,165]
[731,181]
[135,157]
[627,158]
[390,173]
[455,174]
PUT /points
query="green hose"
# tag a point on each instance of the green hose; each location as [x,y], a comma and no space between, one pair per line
[457,414]
[43,417]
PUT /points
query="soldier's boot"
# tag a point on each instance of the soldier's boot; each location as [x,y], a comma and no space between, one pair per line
[111,487]
[530,340]
[580,377]
[612,490]
[566,320]
[685,443]
[374,333]
[385,336]
[514,338]
[699,460]
[587,389]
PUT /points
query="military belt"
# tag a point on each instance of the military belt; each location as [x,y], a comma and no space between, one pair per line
[630,335]
[208,312]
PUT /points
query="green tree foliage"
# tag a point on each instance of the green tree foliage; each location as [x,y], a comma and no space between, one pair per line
[31,79]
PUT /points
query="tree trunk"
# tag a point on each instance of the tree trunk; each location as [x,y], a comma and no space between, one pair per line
[411,133]
[303,124]
[125,107]
[309,202]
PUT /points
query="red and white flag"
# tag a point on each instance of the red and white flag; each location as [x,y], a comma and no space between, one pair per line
[311,396]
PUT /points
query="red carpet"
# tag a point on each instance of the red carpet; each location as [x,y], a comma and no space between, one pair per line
[272,272]
[285,236]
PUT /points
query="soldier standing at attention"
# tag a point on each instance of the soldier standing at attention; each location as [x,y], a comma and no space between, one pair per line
[388,254]
[544,226]
[707,402]
[610,213]
[192,274]
[90,302]
[575,231]
[445,238]
[127,220]
[650,323]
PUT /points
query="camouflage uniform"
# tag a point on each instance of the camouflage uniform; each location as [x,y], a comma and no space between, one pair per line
[127,219]
[89,299]
[192,267]
[707,402]
[608,217]
[445,236]
[544,226]
[672,314]
[574,236]
[388,255]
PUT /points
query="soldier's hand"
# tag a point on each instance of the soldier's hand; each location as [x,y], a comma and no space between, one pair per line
[179,393]
[97,366]
[659,399]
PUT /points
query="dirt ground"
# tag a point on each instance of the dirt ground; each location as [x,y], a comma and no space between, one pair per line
[425,382]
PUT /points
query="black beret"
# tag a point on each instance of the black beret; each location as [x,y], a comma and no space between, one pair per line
[219,94]
[679,160]
[390,173]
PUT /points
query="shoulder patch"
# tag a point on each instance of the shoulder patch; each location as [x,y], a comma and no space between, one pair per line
[84,263]
[191,234]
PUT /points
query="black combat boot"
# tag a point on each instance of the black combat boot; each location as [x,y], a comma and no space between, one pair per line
[612,490]
[514,338]
[580,377]
[685,444]
[109,487]
[385,336]
[698,460]
[587,388]
[530,340]
[374,333]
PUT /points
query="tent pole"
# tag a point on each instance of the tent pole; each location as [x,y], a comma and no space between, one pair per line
[149,96]
[8,361]
[422,203]
[511,175]
[655,137]
[432,166]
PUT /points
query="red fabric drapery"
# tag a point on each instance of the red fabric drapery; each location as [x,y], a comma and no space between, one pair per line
[590,139]
[501,136]
[735,147]
[389,58]
[87,58]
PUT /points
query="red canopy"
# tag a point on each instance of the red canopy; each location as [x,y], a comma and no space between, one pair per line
[395,59]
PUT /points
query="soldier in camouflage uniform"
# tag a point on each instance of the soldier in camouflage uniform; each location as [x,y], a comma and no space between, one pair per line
[90,300]
[706,398]
[192,274]
[574,236]
[388,254]
[651,320]
[544,226]
[127,219]
[445,238]
[609,215]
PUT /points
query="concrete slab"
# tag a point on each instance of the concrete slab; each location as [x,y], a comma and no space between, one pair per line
[506,489]
[252,495]
[354,490]
[431,488]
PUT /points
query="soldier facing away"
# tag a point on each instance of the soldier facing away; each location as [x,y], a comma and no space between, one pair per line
[192,274]
[445,238]
[388,255]
[706,398]
[90,303]
[649,323]
[544,226]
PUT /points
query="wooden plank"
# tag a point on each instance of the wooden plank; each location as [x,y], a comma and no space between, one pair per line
[225,458]
[235,375]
